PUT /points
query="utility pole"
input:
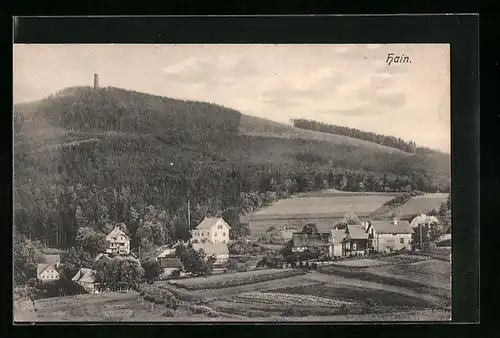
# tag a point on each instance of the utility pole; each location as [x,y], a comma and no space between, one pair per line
[189,215]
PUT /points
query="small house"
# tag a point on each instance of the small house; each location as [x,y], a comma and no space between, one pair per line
[390,235]
[302,242]
[47,273]
[85,278]
[219,251]
[118,242]
[211,230]
[170,265]
[356,240]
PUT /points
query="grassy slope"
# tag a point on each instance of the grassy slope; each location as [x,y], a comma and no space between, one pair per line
[256,126]
[414,206]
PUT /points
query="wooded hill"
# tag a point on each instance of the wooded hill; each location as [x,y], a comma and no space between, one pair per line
[91,158]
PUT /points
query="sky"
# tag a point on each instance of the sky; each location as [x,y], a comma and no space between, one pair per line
[348,85]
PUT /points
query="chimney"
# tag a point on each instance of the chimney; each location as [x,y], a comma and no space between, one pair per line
[96,81]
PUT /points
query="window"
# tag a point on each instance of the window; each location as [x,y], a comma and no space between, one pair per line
[354,246]
[223,234]
[219,226]
[402,240]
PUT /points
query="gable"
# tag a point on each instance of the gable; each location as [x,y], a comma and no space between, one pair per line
[210,222]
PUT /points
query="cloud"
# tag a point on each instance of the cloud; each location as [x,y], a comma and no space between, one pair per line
[361,110]
[293,91]
[222,70]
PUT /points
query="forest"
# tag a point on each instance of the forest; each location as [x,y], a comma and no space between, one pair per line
[390,141]
[166,152]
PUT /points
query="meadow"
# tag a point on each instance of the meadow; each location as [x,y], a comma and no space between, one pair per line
[324,208]
[421,204]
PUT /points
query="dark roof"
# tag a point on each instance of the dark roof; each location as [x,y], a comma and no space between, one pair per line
[357,231]
[388,227]
[41,267]
[169,262]
[52,259]
[300,240]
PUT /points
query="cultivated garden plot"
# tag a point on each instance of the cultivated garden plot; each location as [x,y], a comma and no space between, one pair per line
[234,279]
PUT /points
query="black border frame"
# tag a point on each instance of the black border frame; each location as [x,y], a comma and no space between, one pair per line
[460,31]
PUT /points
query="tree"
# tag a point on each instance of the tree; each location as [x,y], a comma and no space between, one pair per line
[194,262]
[310,229]
[151,268]
[118,273]
[27,254]
[74,259]
[91,241]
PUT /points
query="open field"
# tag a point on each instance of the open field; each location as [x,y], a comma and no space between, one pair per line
[421,204]
[322,208]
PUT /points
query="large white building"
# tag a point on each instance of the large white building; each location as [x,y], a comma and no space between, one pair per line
[211,230]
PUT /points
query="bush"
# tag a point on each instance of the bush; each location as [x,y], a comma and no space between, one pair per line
[231,265]
[169,313]
[314,265]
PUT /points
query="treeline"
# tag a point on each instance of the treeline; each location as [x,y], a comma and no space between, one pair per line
[390,141]
[87,109]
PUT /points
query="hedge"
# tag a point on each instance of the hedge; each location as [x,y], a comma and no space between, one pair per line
[159,296]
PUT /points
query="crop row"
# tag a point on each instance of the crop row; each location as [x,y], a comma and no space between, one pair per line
[288,299]
[238,281]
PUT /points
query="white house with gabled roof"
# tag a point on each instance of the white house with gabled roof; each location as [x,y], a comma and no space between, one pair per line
[211,230]
[118,242]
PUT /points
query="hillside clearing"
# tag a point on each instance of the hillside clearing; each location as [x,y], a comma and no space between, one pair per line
[256,126]
[421,204]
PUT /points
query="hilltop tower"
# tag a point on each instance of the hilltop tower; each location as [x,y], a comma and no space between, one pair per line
[96,81]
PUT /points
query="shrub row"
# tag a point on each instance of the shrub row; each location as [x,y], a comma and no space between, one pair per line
[200,309]
[159,296]
[238,282]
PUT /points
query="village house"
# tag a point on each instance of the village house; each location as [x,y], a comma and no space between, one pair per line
[169,265]
[118,242]
[356,240]
[390,235]
[211,230]
[47,273]
[219,251]
[85,278]
[302,242]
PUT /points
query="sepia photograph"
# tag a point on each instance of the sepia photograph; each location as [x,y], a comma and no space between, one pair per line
[231,183]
